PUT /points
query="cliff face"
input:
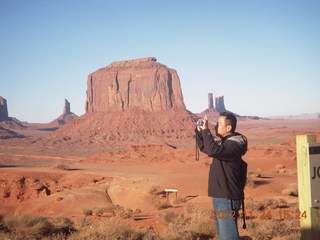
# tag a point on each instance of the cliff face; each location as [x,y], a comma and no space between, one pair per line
[141,83]
[3,110]
[131,102]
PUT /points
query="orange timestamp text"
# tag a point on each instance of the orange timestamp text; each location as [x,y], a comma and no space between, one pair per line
[280,215]
[261,214]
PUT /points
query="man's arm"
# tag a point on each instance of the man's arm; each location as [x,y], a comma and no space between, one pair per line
[226,151]
[199,141]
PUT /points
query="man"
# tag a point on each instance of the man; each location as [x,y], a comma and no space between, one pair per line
[226,175]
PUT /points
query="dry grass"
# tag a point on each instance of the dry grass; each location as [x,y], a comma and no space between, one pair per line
[280,166]
[24,226]
[113,228]
[170,217]
[273,229]
[191,209]
[21,227]
[255,174]
[202,224]
[116,210]
[251,182]
[87,212]
[154,189]
[268,202]
[199,225]
[292,190]
[271,203]
[62,167]
[159,205]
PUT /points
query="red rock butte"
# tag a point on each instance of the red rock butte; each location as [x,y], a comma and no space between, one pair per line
[130,102]
[140,83]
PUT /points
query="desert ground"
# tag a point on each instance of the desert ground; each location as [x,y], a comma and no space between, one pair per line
[80,182]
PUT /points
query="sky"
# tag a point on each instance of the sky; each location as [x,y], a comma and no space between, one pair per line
[263,56]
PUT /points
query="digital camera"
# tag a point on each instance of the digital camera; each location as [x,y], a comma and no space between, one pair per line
[200,122]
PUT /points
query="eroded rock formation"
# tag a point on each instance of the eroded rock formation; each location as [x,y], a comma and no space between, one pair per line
[3,110]
[65,117]
[210,101]
[220,104]
[131,102]
[66,109]
[141,83]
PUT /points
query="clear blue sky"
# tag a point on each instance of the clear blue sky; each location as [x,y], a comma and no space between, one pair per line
[263,56]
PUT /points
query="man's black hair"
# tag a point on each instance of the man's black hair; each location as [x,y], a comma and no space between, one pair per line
[230,120]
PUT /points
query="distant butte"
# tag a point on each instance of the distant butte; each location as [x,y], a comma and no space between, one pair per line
[131,102]
[140,83]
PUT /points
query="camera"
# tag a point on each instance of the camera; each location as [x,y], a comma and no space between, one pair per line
[199,122]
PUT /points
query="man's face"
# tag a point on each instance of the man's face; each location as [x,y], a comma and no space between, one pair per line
[223,129]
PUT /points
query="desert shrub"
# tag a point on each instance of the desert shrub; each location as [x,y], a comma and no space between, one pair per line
[294,236]
[255,174]
[137,210]
[267,202]
[280,166]
[28,227]
[3,227]
[198,226]
[62,167]
[154,189]
[116,210]
[83,222]
[100,211]
[250,204]
[178,229]
[282,202]
[124,213]
[191,209]
[202,224]
[271,229]
[169,217]
[63,226]
[251,176]
[4,236]
[87,212]
[274,171]
[112,228]
[292,190]
[251,182]
[162,205]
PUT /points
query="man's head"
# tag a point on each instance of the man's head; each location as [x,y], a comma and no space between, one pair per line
[227,123]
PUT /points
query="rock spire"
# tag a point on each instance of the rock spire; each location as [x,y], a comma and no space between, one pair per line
[3,109]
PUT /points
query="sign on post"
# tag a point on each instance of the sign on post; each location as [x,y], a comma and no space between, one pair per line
[308,166]
[314,164]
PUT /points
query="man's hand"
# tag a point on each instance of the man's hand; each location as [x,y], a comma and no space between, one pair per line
[204,125]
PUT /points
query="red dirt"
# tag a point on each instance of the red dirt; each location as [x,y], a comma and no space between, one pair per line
[96,176]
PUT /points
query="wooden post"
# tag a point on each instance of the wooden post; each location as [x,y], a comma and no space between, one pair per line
[310,223]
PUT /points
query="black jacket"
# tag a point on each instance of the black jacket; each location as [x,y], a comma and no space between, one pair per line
[226,174]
